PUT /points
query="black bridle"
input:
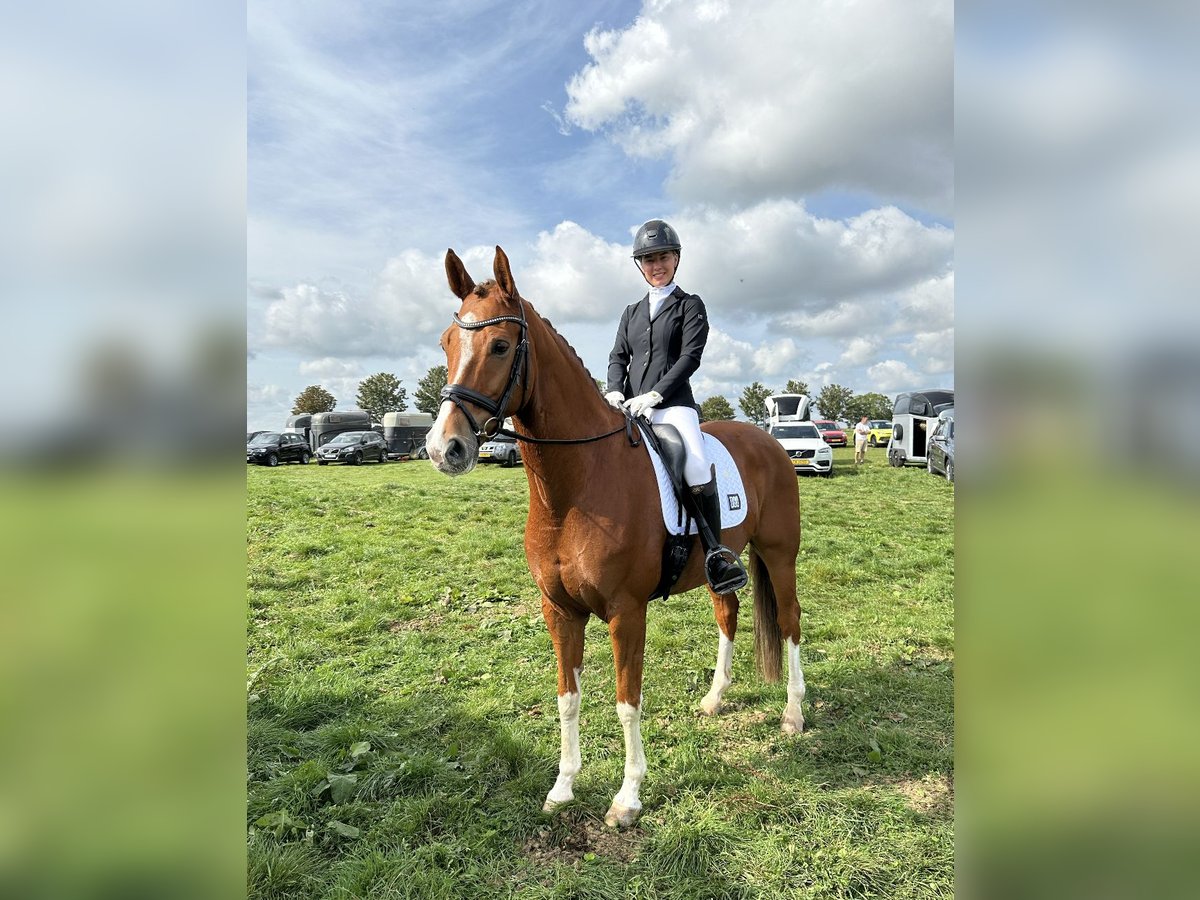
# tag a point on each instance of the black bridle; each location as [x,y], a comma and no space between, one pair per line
[517,374]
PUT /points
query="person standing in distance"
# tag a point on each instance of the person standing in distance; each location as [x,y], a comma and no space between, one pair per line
[861,432]
[658,348]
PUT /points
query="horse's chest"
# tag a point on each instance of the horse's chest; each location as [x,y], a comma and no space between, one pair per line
[566,563]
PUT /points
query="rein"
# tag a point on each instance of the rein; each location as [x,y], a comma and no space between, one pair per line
[457,393]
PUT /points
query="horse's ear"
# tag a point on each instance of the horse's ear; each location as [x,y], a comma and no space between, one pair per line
[503,274]
[456,274]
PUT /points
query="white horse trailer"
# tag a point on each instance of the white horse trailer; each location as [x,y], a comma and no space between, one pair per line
[787,408]
[913,417]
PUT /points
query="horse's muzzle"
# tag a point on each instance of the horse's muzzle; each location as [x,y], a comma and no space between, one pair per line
[453,456]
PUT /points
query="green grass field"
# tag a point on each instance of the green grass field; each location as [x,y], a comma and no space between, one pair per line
[403,732]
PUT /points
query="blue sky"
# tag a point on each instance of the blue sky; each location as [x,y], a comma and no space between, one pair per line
[802,150]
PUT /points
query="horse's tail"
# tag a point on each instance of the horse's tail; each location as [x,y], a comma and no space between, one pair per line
[768,639]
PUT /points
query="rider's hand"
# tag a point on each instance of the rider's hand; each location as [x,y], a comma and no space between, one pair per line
[643,402]
[615,399]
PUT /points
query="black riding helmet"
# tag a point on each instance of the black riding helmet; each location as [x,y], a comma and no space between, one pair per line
[654,237]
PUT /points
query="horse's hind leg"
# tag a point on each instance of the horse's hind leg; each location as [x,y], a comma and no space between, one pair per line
[567,634]
[775,581]
[628,633]
[725,610]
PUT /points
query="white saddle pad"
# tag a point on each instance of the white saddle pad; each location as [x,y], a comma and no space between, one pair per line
[729,488]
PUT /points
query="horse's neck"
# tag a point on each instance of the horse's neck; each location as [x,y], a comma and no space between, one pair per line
[565,404]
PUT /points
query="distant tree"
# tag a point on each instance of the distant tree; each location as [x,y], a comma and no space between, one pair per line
[834,400]
[754,403]
[871,405]
[716,409]
[428,398]
[381,393]
[313,399]
[796,387]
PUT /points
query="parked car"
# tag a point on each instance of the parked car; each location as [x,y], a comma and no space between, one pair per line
[353,448]
[940,458]
[881,432]
[803,442]
[501,449]
[270,448]
[833,435]
[251,435]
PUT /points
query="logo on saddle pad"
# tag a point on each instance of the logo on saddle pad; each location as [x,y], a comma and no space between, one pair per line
[735,501]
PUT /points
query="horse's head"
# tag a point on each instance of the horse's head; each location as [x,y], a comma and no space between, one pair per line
[485,365]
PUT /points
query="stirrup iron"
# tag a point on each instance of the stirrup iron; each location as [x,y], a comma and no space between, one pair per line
[735,582]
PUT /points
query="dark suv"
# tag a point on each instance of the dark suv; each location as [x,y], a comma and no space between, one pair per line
[353,447]
[270,448]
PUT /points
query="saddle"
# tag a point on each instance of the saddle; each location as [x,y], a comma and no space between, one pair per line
[667,443]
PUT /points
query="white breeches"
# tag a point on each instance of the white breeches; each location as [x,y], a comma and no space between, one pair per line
[695,469]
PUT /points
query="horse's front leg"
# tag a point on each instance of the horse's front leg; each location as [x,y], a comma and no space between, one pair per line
[628,633]
[566,631]
[725,608]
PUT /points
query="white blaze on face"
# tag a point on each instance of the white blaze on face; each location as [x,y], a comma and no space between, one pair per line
[436,442]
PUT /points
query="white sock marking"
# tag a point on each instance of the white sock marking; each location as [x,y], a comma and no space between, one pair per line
[635,758]
[569,760]
[722,676]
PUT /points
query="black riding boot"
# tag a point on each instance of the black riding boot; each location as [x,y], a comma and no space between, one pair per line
[722,567]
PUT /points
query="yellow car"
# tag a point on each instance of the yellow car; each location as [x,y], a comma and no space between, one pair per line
[881,432]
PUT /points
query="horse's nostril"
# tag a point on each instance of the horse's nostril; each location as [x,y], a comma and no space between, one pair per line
[454,450]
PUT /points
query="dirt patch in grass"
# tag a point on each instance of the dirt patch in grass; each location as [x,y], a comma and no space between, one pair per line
[932,795]
[429,623]
[572,841]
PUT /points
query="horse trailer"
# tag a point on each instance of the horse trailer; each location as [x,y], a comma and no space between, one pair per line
[405,433]
[913,417]
[327,425]
[788,408]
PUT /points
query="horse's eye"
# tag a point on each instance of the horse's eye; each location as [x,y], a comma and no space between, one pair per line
[500,348]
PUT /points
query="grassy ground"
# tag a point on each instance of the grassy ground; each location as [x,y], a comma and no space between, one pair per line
[403,730]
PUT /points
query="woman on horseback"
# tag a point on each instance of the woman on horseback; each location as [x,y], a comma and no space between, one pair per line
[658,347]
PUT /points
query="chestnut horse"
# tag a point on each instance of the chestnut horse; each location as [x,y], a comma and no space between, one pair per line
[595,534]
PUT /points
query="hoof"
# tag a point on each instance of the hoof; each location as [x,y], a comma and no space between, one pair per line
[553,803]
[710,706]
[792,724]
[619,816]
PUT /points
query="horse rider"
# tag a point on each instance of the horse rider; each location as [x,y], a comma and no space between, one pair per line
[657,349]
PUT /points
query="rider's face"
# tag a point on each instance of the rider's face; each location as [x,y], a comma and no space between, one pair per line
[659,268]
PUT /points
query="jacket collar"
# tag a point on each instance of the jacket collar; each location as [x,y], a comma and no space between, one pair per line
[676,295]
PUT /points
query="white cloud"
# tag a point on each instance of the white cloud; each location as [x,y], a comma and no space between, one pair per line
[777,257]
[264,393]
[933,350]
[768,103]
[860,351]
[575,276]
[929,305]
[330,367]
[894,376]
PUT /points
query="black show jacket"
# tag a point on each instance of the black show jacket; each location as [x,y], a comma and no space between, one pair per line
[660,355]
